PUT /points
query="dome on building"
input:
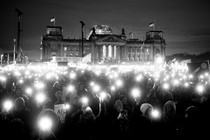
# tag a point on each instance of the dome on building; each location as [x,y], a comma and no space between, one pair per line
[102,29]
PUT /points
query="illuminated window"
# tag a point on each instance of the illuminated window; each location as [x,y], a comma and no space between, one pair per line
[65,48]
[65,51]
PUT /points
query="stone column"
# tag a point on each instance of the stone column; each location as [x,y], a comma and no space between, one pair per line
[113,52]
[107,51]
[104,51]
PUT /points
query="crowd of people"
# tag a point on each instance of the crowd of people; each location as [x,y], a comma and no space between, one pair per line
[94,107]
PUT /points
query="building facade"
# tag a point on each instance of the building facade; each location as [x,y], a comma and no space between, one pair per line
[102,45]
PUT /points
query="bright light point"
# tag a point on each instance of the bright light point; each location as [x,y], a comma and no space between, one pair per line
[139,78]
[8,104]
[175,82]
[84,100]
[184,77]
[113,88]
[135,92]
[45,123]
[70,88]
[103,95]
[72,75]
[116,75]
[92,83]
[200,88]
[206,74]
[27,72]
[166,86]
[119,83]
[29,91]
[40,97]
[96,88]
[20,81]
[190,76]
[67,106]
[159,60]
[155,114]
[186,84]
[49,76]
[3,78]
[17,73]
[201,76]
[39,85]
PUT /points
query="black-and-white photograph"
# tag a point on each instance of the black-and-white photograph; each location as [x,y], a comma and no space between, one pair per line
[104,69]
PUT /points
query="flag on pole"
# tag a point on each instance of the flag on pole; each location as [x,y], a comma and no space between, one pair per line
[52,19]
[152,24]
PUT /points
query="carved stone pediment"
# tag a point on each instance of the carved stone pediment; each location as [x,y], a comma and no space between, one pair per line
[110,39]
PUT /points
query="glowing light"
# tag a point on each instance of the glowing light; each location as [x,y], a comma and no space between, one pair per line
[67,106]
[139,78]
[20,81]
[176,82]
[155,113]
[45,123]
[113,88]
[191,76]
[70,88]
[49,76]
[92,83]
[17,73]
[159,60]
[200,88]
[119,82]
[201,76]
[135,92]
[3,78]
[166,86]
[7,104]
[29,91]
[39,85]
[186,84]
[27,72]
[102,95]
[40,97]
[84,100]
[73,75]
[96,88]
[206,74]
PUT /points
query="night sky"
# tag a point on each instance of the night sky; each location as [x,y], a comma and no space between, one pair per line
[186,23]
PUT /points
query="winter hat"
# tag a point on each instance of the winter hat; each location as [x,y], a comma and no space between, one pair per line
[144,107]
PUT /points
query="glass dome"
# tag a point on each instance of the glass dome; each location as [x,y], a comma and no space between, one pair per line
[102,29]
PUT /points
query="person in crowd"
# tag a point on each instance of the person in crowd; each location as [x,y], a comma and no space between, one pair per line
[53,132]
[193,126]
[18,130]
[59,97]
[170,120]
[56,87]
[143,124]
[23,113]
